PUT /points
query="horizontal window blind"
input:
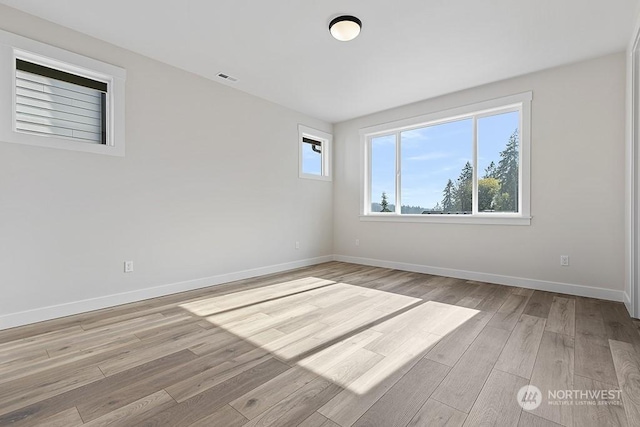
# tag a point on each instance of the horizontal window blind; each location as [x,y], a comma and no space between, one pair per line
[315,145]
[54,102]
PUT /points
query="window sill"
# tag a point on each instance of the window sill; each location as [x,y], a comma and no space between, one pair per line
[450,219]
[314,177]
[61,143]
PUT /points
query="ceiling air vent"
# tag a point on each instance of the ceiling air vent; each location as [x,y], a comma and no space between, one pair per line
[227,77]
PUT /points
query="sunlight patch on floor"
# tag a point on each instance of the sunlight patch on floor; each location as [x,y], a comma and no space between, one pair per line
[208,306]
[354,336]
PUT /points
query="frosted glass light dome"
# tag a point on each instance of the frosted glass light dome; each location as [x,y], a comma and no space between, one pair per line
[345,28]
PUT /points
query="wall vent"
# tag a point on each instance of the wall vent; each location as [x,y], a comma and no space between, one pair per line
[227,77]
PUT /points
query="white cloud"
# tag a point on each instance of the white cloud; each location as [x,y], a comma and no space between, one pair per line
[415,134]
[430,156]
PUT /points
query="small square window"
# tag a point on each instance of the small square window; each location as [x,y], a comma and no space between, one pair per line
[314,146]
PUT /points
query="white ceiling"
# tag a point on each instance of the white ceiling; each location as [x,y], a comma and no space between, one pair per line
[408,50]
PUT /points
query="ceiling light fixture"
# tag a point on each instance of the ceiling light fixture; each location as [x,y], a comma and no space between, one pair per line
[345,28]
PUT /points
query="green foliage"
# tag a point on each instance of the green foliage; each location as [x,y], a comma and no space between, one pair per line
[507,172]
[412,210]
[384,204]
[497,190]
[463,192]
[448,204]
[503,201]
[490,171]
[488,188]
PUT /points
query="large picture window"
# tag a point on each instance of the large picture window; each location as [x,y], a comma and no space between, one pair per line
[469,164]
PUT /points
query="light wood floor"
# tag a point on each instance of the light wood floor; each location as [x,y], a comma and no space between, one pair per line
[332,345]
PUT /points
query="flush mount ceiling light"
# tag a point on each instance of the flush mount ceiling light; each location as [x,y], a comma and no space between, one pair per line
[345,27]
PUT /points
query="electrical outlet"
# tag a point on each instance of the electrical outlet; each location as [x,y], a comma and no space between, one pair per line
[357,242]
[564,260]
[128,266]
[297,245]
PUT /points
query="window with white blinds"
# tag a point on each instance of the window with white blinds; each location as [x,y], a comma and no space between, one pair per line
[57,103]
[54,98]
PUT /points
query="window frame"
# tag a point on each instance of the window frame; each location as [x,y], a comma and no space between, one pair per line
[519,102]
[14,47]
[325,140]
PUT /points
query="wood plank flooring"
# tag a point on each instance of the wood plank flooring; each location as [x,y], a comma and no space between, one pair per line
[333,345]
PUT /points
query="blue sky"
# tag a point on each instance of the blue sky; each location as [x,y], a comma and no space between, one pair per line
[311,161]
[435,154]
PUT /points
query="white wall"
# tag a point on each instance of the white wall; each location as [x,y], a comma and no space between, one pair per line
[209,186]
[632,218]
[577,191]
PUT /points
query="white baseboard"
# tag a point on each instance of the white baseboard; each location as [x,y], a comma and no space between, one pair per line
[627,302]
[541,285]
[67,309]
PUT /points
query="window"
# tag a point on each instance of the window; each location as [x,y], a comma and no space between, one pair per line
[469,164]
[315,147]
[57,99]
[52,102]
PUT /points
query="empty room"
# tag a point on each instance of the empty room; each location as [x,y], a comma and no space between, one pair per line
[319,213]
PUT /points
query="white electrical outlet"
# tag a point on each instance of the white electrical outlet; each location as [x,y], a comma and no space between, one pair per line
[128,266]
[564,260]
[357,242]
[297,245]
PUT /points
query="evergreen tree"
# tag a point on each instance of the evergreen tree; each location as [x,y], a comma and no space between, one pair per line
[384,204]
[447,201]
[490,171]
[463,194]
[437,208]
[507,173]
